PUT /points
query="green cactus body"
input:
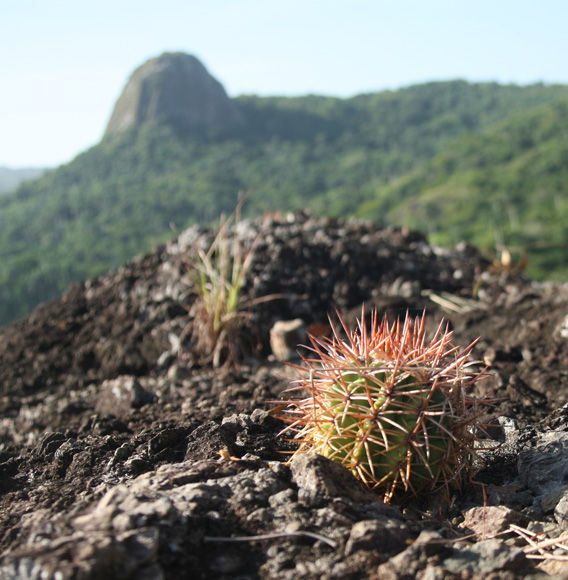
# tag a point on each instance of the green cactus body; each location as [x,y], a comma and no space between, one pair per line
[396,415]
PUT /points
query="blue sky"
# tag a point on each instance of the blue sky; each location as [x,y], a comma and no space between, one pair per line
[65,62]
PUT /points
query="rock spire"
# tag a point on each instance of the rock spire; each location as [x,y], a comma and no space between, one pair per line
[175,89]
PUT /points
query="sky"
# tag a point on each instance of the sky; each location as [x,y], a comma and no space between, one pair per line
[65,62]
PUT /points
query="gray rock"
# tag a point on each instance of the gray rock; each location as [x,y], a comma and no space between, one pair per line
[177,89]
[485,521]
[122,534]
[563,328]
[434,558]
[429,548]
[285,336]
[561,510]
[319,479]
[549,501]
[487,557]
[384,534]
[544,467]
[119,397]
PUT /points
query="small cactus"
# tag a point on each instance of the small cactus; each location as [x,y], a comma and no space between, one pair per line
[389,405]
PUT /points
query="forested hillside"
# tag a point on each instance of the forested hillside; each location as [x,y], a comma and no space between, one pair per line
[11,178]
[506,186]
[372,154]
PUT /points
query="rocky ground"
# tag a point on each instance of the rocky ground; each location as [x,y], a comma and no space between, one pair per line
[123,456]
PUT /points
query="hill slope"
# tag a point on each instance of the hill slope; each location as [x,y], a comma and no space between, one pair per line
[11,178]
[119,198]
[505,186]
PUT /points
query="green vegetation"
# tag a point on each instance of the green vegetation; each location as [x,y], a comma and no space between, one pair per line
[440,156]
[507,186]
[11,178]
[219,314]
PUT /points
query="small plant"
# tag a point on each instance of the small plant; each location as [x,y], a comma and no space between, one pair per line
[389,405]
[503,261]
[219,313]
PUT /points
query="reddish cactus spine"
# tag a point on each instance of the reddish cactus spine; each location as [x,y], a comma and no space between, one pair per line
[389,404]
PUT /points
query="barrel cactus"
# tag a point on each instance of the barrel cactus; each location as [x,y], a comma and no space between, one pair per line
[390,405]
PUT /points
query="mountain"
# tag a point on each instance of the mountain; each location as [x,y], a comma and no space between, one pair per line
[175,89]
[11,178]
[170,160]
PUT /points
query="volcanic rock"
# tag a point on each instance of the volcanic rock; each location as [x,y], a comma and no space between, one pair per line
[112,465]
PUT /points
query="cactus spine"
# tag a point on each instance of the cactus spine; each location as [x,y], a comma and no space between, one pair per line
[389,405]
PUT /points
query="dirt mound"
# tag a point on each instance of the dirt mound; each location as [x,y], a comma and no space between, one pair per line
[120,459]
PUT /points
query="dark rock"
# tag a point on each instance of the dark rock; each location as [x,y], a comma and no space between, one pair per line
[206,442]
[428,550]
[49,444]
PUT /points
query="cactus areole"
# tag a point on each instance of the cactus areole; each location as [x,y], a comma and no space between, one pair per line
[388,404]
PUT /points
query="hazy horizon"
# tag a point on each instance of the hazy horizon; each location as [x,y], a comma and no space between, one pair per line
[68,63]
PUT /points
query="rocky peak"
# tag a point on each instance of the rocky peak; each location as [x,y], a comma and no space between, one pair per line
[176,89]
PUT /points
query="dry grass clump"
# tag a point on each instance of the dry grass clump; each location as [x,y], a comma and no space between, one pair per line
[218,330]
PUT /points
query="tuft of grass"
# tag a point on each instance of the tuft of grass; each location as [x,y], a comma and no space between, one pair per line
[218,333]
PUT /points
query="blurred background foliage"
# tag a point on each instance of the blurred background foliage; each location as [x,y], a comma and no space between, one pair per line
[485,163]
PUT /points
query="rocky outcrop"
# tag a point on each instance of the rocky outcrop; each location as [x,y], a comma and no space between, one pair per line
[120,459]
[176,89]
